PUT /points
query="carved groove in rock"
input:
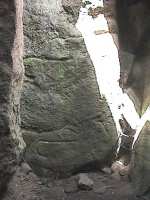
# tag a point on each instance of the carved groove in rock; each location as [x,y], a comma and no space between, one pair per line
[65,123]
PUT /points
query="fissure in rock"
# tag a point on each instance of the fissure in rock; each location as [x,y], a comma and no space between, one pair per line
[106,38]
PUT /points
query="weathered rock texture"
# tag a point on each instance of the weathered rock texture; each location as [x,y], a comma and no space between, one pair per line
[128,22]
[110,15]
[133,25]
[141,168]
[65,122]
[10,85]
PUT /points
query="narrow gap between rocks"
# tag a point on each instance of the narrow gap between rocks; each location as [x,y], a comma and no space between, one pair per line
[104,184]
[104,54]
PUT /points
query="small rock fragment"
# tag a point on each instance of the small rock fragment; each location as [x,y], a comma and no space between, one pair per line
[106,170]
[117,166]
[85,183]
[26,168]
[100,32]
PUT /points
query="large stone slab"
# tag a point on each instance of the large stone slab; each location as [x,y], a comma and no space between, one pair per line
[65,122]
[141,169]
[11,71]
[134,45]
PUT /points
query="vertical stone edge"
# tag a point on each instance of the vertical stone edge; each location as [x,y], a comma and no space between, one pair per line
[11,78]
[17,79]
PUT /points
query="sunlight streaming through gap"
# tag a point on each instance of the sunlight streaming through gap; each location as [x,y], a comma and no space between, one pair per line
[104,55]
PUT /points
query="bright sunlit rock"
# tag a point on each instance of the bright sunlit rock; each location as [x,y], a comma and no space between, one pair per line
[104,55]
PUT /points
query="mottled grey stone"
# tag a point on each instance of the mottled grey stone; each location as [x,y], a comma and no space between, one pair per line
[65,122]
[134,48]
[140,172]
[10,68]
[85,183]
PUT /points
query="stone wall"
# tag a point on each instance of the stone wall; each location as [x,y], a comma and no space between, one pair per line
[65,122]
[133,24]
[134,50]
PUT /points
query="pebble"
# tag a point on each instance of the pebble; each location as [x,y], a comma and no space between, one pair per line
[117,166]
[84,182]
[26,168]
[106,170]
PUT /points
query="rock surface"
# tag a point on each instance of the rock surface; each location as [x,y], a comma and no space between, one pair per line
[106,170]
[129,25]
[141,169]
[10,85]
[26,168]
[84,182]
[65,123]
[134,29]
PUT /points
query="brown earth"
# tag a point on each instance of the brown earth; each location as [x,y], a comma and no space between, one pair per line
[27,186]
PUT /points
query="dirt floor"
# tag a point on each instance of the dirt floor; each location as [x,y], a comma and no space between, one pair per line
[27,186]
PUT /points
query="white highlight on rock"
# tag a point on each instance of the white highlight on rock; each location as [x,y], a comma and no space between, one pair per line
[139,126]
[104,55]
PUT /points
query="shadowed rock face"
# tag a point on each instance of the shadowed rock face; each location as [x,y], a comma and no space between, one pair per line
[11,68]
[133,32]
[141,169]
[129,25]
[134,29]
[65,122]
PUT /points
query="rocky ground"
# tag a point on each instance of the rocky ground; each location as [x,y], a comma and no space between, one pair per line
[102,185]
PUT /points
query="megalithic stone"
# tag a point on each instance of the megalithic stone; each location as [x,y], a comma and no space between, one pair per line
[134,51]
[65,122]
[11,72]
[140,172]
